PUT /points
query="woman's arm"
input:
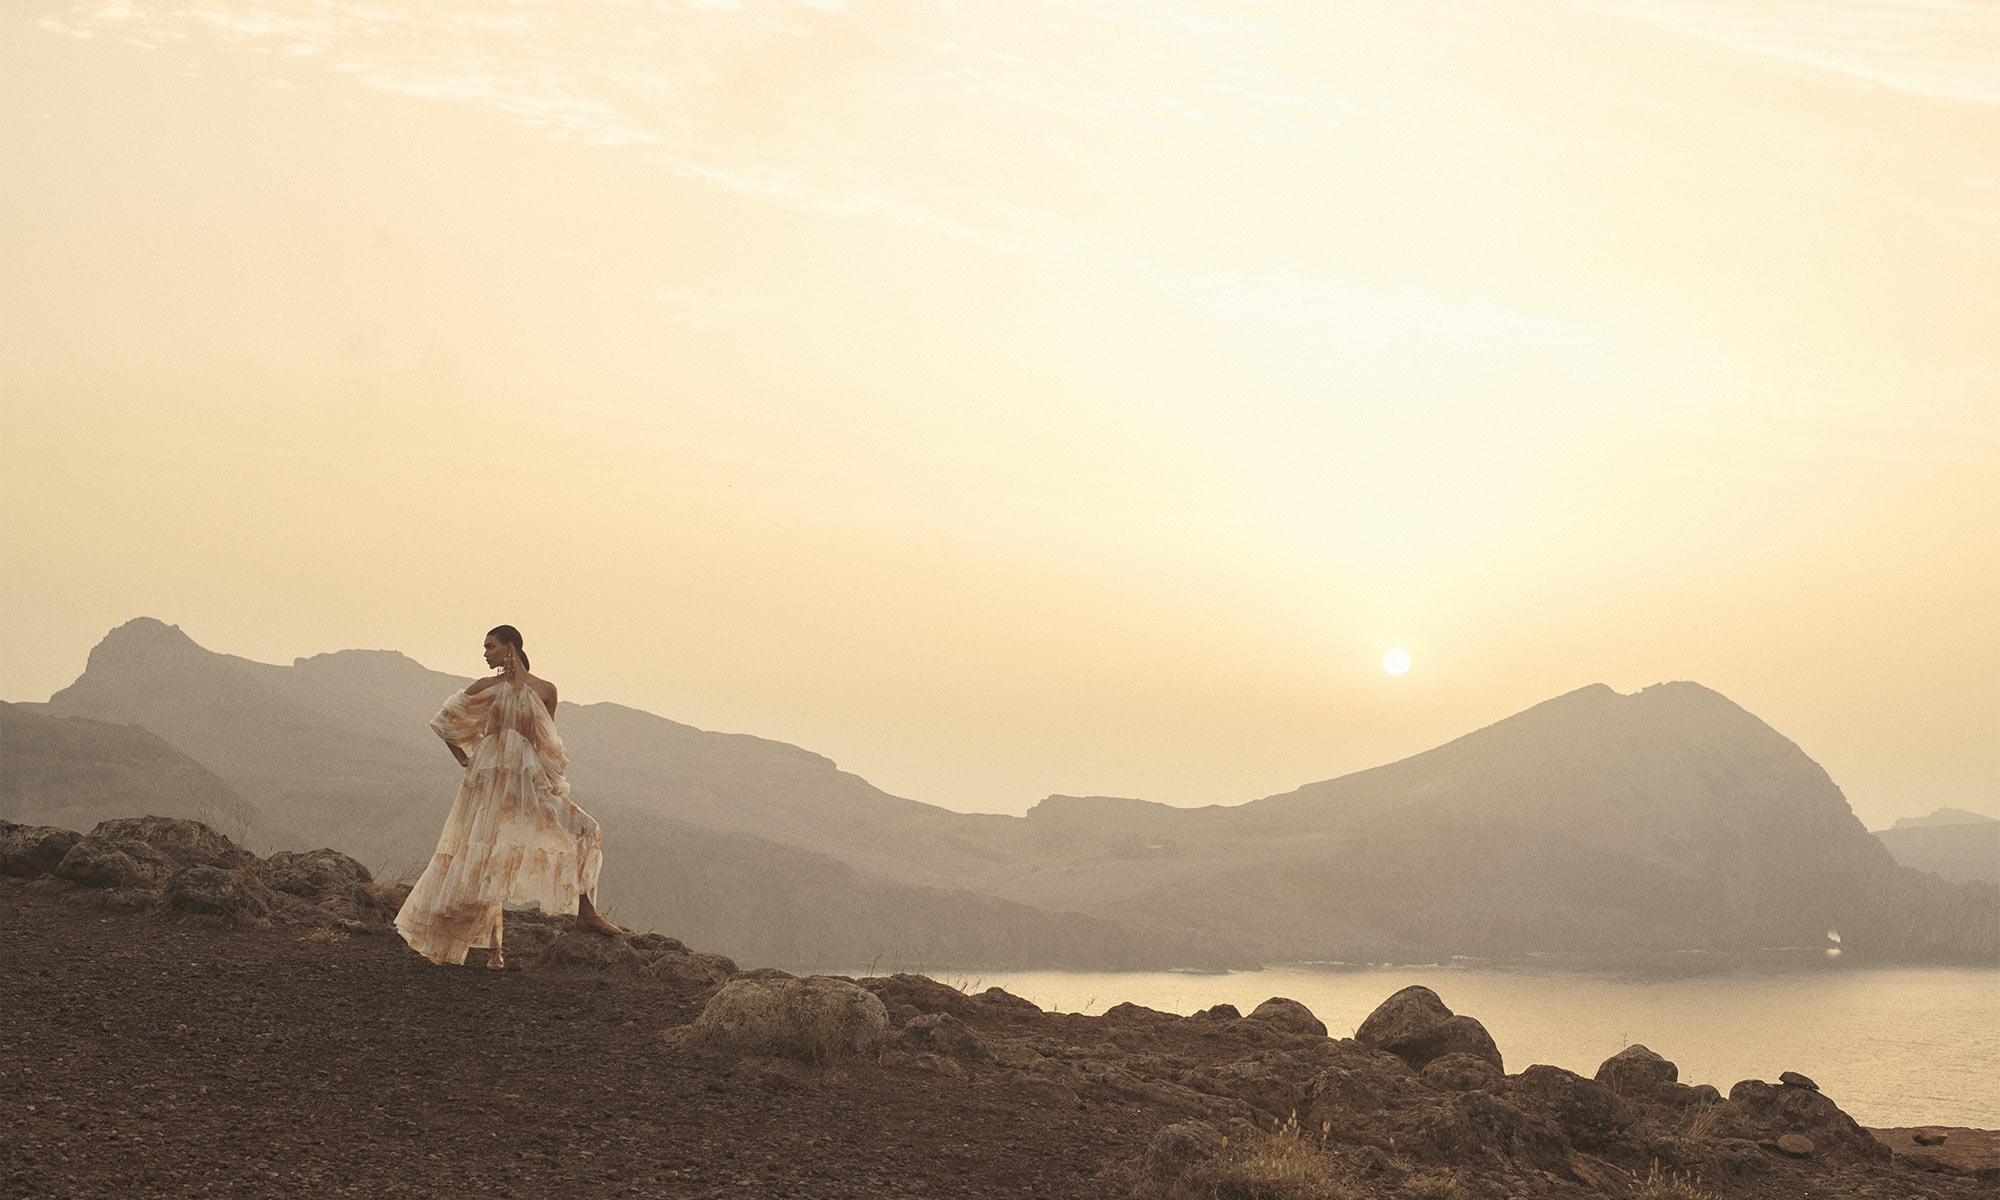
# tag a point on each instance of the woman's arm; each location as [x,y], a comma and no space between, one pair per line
[457,753]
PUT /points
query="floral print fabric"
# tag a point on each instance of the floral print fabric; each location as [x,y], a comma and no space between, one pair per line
[513,835]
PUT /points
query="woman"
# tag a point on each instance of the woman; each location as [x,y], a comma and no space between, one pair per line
[513,835]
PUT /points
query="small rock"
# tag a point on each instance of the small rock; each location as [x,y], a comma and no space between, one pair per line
[1636,1070]
[1288,1015]
[1794,1079]
[1928,1137]
[1415,1026]
[1002,998]
[1797,1145]
[99,862]
[919,992]
[1177,1147]
[590,951]
[1220,1012]
[316,874]
[691,969]
[211,890]
[943,1034]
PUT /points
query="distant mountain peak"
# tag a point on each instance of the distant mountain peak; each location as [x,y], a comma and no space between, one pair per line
[146,631]
[364,663]
[142,640]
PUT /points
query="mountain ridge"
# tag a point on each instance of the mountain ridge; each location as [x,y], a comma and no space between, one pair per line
[1668,818]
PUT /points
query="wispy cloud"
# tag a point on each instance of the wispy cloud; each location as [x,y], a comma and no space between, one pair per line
[1943,48]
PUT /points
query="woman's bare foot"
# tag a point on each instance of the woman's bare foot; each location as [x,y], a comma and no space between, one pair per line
[495,961]
[588,919]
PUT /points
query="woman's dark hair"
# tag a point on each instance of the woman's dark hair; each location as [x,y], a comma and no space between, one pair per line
[511,636]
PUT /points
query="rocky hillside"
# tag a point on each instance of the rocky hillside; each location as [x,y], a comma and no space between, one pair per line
[250,1025]
[1666,820]
[761,847]
[73,771]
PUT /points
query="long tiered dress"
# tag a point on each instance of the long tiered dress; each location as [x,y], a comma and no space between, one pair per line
[513,835]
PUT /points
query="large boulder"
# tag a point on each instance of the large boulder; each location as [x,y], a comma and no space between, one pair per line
[687,970]
[1415,1026]
[32,851]
[1288,1015]
[185,843]
[1589,1113]
[1637,1071]
[818,1019]
[102,863]
[1764,1113]
[1485,1129]
[1271,1082]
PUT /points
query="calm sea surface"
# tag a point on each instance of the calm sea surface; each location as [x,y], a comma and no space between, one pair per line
[1891,1045]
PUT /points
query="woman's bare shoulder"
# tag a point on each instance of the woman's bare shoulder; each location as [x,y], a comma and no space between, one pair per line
[481,684]
[544,689]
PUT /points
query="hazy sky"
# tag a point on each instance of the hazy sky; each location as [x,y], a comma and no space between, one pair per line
[1011,398]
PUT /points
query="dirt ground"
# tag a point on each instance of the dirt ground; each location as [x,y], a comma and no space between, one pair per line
[148,1054]
[140,1056]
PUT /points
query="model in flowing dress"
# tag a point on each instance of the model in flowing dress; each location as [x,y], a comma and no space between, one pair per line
[514,836]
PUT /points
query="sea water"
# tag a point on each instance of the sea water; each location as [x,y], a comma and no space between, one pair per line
[1893,1046]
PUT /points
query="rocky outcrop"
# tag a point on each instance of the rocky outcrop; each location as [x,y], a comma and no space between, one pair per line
[1415,1026]
[32,851]
[98,862]
[189,869]
[1764,1112]
[214,891]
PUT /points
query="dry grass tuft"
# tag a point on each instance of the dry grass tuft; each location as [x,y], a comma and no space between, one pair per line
[1437,1184]
[1702,1120]
[1287,1165]
[1671,1186]
[326,937]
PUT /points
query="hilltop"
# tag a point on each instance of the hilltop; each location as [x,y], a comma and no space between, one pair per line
[180,1017]
[1665,820]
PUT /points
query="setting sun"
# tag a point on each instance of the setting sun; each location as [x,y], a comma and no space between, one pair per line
[1396,661]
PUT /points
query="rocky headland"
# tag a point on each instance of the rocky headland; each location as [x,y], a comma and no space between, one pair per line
[181,1017]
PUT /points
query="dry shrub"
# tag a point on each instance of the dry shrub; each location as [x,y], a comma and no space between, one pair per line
[1671,1186]
[1702,1120]
[1434,1185]
[1288,1165]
